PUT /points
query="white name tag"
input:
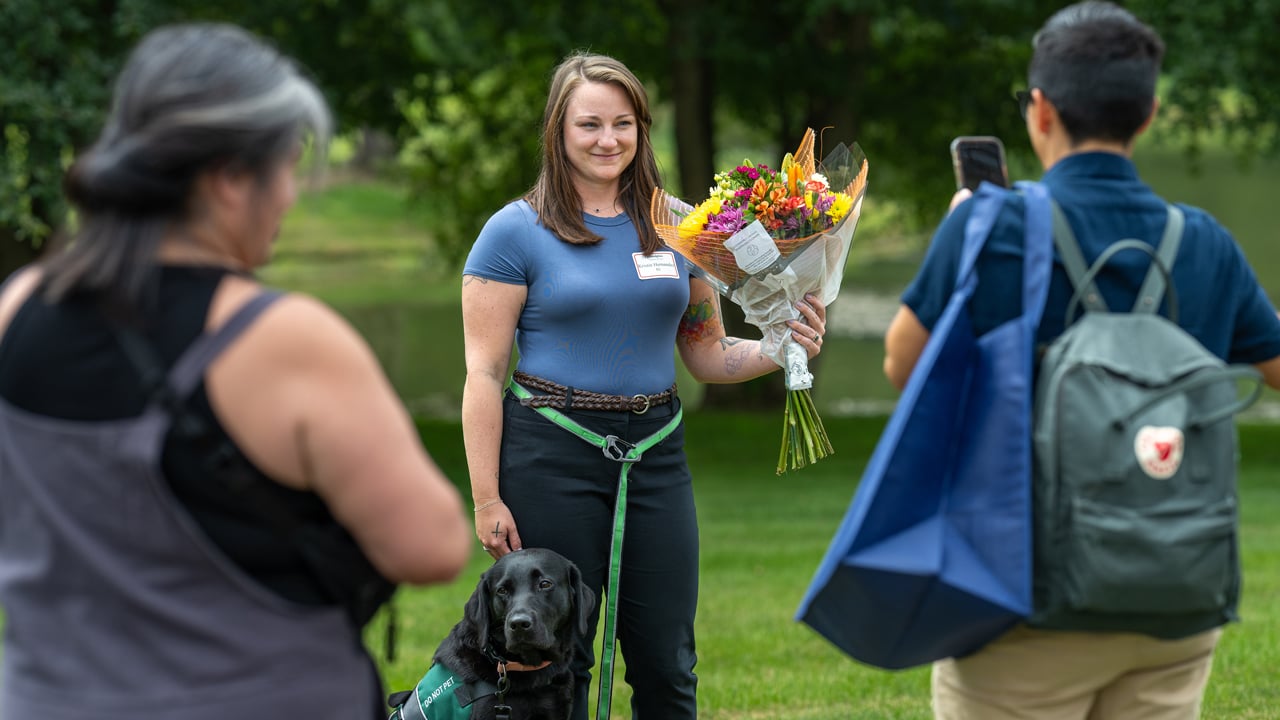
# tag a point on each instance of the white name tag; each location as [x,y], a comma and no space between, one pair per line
[658,265]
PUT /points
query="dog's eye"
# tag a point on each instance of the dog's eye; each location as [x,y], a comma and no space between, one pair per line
[545,585]
[502,591]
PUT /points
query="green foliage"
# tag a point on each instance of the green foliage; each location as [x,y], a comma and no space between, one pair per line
[1222,79]
[474,111]
[59,60]
[464,88]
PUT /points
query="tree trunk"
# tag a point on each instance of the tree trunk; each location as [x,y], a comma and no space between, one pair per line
[691,86]
[848,36]
[692,92]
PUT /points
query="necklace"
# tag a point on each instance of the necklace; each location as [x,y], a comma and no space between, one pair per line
[613,207]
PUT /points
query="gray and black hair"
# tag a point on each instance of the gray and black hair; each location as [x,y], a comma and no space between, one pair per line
[190,98]
[1098,65]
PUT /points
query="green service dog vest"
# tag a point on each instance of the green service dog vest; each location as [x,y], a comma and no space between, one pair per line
[441,695]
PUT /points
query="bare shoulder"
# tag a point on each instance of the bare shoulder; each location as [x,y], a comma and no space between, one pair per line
[16,292]
[297,327]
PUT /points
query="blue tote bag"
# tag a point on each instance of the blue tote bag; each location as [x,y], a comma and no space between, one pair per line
[933,558]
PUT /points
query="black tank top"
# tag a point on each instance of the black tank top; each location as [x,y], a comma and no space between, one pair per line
[64,361]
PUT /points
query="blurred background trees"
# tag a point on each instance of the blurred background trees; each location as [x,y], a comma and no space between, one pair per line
[459,86]
[452,91]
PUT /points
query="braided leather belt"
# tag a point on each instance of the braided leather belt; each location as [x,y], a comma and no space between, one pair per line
[561,397]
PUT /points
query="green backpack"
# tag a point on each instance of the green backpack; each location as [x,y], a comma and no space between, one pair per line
[1135,462]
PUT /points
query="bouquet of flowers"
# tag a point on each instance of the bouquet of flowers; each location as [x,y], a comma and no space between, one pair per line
[764,238]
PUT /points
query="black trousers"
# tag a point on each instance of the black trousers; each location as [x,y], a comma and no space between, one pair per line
[561,491]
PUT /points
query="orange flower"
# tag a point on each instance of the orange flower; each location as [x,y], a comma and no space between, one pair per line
[795,176]
[765,200]
[790,205]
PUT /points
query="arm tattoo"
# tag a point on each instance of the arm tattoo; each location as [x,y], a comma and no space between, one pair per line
[728,342]
[698,322]
[467,280]
[735,359]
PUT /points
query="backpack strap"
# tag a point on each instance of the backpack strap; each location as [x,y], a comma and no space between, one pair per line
[1073,262]
[1154,286]
[1158,278]
[1037,252]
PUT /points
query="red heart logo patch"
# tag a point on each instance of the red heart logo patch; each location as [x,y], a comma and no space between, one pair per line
[1159,451]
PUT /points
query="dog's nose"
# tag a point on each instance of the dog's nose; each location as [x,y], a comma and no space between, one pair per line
[519,621]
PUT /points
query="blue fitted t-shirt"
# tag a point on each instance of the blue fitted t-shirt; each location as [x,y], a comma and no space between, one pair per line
[1219,300]
[599,317]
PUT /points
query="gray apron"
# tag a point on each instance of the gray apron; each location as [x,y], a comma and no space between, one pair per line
[116,605]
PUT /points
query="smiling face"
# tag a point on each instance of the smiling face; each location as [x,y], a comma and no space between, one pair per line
[600,136]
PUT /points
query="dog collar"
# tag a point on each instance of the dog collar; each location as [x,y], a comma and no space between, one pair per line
[505,667]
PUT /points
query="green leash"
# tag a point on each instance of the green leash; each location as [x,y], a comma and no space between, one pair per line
[627,454]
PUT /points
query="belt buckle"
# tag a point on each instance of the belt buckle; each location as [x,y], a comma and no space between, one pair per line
[644,409]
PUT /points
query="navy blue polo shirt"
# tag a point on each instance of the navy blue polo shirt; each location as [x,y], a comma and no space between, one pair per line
[1219,300]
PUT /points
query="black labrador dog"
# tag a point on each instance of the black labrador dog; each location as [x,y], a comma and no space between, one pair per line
[509,655]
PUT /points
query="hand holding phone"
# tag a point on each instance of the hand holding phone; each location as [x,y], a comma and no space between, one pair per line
[977,158]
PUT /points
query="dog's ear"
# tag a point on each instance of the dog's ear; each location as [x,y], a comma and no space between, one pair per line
[477,608]
[584,600]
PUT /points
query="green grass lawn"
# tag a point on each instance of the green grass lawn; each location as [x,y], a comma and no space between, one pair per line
[762,539]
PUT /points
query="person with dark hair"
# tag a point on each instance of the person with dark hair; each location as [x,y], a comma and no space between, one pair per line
[208,486]
[574,275]
[1092,82]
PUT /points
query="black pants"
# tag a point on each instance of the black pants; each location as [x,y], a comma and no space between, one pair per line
[561,491]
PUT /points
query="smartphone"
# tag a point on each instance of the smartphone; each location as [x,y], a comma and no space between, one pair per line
[977,158]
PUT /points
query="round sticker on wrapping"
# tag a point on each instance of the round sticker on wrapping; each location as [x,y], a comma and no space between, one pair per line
[1159,451]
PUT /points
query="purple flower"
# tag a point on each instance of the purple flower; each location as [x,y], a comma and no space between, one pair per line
[729,220]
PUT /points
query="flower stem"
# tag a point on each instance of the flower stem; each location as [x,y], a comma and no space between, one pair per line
[804,439]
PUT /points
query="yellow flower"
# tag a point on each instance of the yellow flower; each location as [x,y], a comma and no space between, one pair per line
[839,208]
[693,223]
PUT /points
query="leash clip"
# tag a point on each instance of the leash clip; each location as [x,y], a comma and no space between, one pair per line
[501,710]
[616,449]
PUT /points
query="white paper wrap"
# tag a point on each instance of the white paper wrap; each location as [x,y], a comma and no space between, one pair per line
[769,299]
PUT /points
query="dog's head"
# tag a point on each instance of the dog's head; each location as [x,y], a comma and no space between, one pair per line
[530,606]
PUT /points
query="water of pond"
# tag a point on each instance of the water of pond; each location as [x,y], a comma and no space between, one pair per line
[420,347]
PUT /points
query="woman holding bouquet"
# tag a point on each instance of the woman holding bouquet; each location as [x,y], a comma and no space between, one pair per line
[575,276]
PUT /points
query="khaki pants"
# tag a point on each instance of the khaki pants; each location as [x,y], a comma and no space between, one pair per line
[1029,674]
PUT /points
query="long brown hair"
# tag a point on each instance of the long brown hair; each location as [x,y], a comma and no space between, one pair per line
[554,196]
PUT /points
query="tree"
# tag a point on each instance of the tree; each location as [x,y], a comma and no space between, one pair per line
[60,58]
[1222,81]
[465,89]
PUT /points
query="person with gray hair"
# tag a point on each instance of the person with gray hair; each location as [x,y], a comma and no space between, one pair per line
[209,486]
[1091,91]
